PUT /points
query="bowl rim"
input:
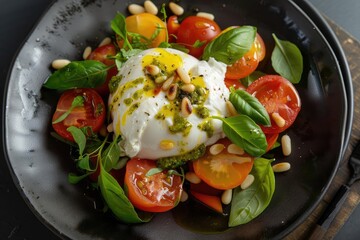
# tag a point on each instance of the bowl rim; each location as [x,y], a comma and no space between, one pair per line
[309,11]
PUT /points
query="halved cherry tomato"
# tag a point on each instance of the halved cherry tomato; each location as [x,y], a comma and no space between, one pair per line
[249,62]
[224,170]
[147,25]
[156,193]
[102,54]
[236,83]
[277,95]
[195,28]
[271,140]
[173,26]
[213,202]
[92,114]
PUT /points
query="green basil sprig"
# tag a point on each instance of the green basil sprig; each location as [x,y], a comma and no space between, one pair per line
[78,74]
[116,199]
[231,45]
[249,105]
[245,133]
[249,203]
[77,102]
[287,60]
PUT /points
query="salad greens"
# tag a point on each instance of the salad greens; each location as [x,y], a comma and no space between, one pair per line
[249,203]
[77,102]
[231,45]
[287,60]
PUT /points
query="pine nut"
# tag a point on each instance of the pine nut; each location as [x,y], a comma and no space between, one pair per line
[247,182]
[216,148]
[167,145]
[152,69]
[176,9]
[87,52]
[281,167]
[105,41]
[183,75]
[150,7]
[60,63]
[286,145]
[186,107]
[166,85]
[188,87]
[171,92]
[136,9]
[234,149]
[206,15]
[231,109]
[110,128]
[279,121]
[192,177]
[160,79]
[184,196]
[226,196]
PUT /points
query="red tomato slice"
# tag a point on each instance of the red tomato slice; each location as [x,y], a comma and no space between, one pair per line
[236,83]
[102,54]
[92,114]
[277,95]
[213,202]
[172,28]
[224,170]
[156,193]
[271,140]
[195,28]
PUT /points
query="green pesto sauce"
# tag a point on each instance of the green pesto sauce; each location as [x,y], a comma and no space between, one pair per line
[114,83]
[180,125]
[137,94]
[207,127]
[179,160]
[202,112]
[133,107]
[128,101]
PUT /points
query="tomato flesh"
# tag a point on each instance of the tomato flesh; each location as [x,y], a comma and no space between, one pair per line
[277,95]
[159,192]
[194,29]
[92,114]
[102,54]
[224,170]
[173,26]
[146,24]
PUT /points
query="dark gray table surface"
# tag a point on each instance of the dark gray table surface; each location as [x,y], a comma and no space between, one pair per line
[17,17]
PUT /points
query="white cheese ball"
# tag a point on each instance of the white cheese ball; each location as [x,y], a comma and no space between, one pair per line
[137,102]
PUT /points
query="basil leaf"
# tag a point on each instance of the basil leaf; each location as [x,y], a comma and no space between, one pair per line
[249,203]
[245,133]
[116,199]
[79,138]
[287,60]
[246,81]
[111,155]
[77,102]
[249,105]
[118,25]
[84,163]
[231,45]
[78,74]
[74,179]
[153,171]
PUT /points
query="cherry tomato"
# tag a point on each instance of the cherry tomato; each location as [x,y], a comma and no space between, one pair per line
[277,95]
[213,202]
[172,28]
[271,140]
[91,114]
[249,62]
[195,28]
[224,170]
[156,193]
[146,24]
[236,83]
[102,54]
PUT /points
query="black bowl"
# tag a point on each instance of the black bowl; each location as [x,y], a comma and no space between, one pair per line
[40,164]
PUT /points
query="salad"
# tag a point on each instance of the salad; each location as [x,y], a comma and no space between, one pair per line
[172,108]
